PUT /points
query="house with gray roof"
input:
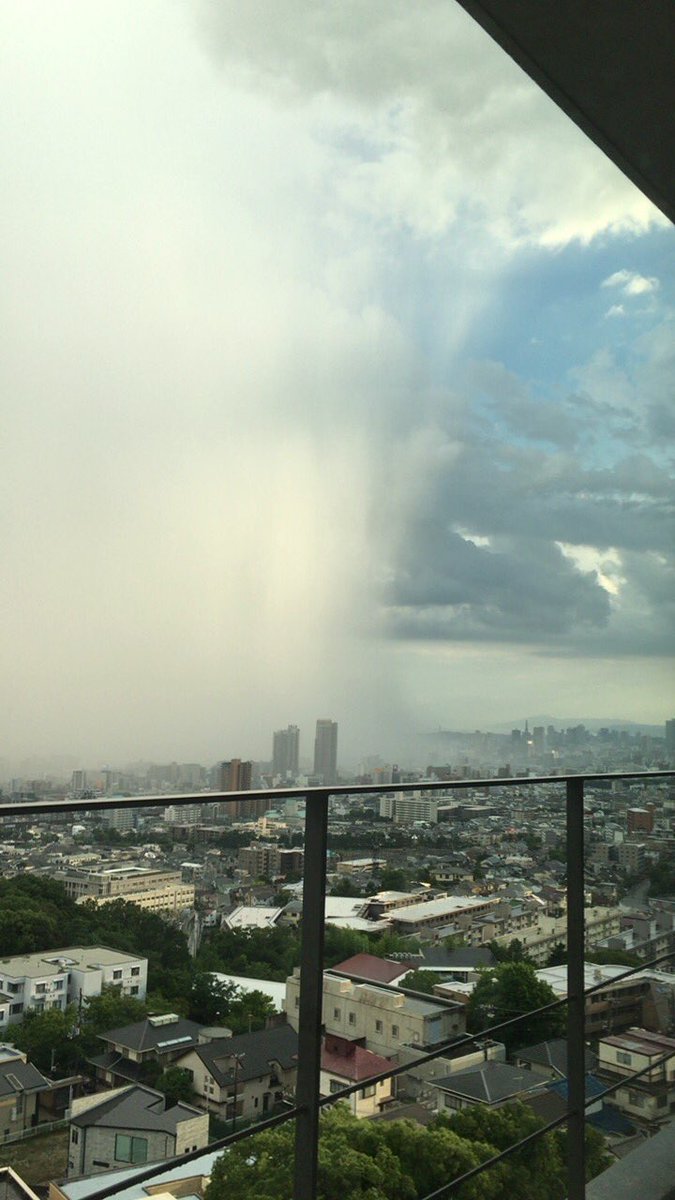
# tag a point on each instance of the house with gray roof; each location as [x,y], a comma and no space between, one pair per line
[130,1049]
[244,1076]
[131,1125]
[549,1059]
[492,1084]
[21,1085]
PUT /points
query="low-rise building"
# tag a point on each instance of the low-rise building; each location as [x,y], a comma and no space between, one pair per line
[56,978]
[344,1063]
[160,1039]
[21,1085]
[155,890]
[650,1098]
[491,1085]
[244,1076]
[131,1126]
[443,912]
[383,1019]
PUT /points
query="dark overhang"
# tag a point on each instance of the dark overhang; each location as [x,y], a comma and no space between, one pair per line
[610,65]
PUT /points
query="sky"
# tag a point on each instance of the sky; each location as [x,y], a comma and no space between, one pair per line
[337,382]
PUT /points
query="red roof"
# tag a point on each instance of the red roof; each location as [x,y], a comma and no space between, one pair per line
[361,1064]
[372,968]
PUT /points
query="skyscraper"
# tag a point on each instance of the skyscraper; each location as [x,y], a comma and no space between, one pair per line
[234,776]
[285,751]
[670,738]
[325,750]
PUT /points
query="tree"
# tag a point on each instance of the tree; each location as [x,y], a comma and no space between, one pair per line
[216,1001]
[394,879]
[400,1160]
[110,1010]
[504,992]
[420,981]
[513,952]
[345,887]
[558,955]
[176,1083]
[47,1038]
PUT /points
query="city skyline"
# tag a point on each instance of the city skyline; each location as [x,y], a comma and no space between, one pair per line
[338,378]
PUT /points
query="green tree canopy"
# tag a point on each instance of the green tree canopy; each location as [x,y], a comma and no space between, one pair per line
[176,1083]
[400,1160]
[420,981]
[47,1038]
[506,991]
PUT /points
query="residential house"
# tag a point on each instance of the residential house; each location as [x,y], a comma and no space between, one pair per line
[549,1059]
[492,1084]
[21,1085]
[650,1099]
[132,1125]
[133,1052]
[344,1063]
[244,1076]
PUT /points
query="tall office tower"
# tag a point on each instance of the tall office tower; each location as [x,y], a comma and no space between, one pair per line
[234,776]
[670,737]
[325,750]
[285,751]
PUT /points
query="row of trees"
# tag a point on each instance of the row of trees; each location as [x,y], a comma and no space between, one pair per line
[400,1160]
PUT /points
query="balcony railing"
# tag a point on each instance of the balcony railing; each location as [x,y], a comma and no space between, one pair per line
[309,1104]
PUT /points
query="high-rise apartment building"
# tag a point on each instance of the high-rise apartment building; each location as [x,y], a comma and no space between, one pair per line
[285,751]
[670,737]
[325,750]
[235,776]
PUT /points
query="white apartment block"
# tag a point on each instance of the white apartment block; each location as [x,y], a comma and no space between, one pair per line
[404,809]
[442,913]
[383,1019]
[57,978]
[539,940]
[155,890]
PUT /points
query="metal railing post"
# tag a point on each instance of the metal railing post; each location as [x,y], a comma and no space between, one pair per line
[576,1125]
[311,998]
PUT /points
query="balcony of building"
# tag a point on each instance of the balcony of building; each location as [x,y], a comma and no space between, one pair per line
[308,1104]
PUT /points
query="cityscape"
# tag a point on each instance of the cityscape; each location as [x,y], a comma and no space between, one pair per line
[149,978]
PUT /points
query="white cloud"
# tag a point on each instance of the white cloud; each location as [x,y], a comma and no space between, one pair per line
[631,283]
[435,118]
[617,310]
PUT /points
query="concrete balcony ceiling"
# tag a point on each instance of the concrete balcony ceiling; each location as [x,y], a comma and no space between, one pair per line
[610,65]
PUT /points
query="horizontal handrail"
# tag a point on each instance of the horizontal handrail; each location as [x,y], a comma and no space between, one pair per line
[102,803]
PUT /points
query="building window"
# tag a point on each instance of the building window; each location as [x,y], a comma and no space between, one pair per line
[131,1149]
[117,974]
[133,991]
[336,1014]
[135,970]
[74,1136]
[16,1008]
[378,1027]
[335,1086]
[368,1091]
[352,1018]
[394,1031]
[624,1058]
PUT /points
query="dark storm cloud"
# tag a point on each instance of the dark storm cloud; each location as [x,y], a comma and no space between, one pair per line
[488,549]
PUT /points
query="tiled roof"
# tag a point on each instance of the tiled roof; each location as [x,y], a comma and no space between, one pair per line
[372,968]
[256,1052]
[144,1035]
[361,1064]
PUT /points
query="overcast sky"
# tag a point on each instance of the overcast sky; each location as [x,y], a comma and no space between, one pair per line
[337,379]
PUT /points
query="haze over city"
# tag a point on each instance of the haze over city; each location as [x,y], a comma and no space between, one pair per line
[337,369]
